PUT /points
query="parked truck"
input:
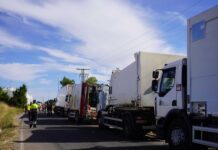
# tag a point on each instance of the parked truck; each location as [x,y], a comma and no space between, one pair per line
[131,106]
[83,101]
[62,98]
[78,102]
[187,92]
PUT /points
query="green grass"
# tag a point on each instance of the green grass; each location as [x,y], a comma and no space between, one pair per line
[8,125]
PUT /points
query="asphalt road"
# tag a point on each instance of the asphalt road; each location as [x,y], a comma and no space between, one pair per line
[56,133]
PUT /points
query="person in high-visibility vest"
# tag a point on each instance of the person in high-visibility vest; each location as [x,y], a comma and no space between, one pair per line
[28,110]
[33,114]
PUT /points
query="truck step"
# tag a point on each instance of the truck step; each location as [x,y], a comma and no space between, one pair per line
[113,126]
[201,139]
[114,119]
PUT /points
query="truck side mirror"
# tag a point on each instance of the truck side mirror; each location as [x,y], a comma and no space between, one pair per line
[155,74]
[154,85]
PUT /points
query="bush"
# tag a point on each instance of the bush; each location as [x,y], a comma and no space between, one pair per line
[8,126]
[7,116]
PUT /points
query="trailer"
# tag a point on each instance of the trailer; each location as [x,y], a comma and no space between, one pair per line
[186,100]
[78,102]
[61,105]
[131,106]
[83,101]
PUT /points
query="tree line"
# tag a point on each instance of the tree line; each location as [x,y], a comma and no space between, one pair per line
[18,98]
[92,81]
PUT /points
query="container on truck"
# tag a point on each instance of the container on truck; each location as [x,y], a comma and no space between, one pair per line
[187,92]
[83,101]
[78,102]
[61,105]
[131,106]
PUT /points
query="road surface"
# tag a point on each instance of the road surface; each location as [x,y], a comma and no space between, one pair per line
[56,133]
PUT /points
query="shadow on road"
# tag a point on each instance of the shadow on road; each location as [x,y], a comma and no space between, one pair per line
[151,147]
[56,129]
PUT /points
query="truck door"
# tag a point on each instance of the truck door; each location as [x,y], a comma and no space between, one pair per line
[167,95]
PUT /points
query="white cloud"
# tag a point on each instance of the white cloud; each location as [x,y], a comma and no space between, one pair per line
[20,72]
[110,32]
[49,63]
[102,26]
[44,81]
[176,16]
[10,41]
[28,72]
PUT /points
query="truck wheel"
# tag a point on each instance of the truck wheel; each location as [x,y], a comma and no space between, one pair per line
[77,119]
[139,133]
[178,135]
[127,128]
[62,113]
[101,123]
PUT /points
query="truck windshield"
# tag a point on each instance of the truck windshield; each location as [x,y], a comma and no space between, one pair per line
[167,81]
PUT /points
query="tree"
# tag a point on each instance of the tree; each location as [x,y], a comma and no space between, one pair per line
[19,96]
[92,81]
[3,96]
[66,81]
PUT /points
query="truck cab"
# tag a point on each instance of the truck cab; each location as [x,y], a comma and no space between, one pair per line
[171,90]
[171,93]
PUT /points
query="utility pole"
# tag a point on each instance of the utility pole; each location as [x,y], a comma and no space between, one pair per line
[83,75]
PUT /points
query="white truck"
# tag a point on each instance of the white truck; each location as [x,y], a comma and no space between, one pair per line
[83,101]
[186,102]
[61,106]
[77,102]
[131,105]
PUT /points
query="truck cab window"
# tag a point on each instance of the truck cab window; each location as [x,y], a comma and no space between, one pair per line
[167,81]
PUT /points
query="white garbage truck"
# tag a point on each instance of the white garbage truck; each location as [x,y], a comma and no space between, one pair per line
[186,103]
[131,101]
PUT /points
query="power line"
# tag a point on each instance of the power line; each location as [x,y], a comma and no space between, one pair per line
[83,75]
[166,23]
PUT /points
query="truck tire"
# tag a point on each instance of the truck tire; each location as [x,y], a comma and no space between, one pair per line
[127,127]
[101,122]
[68,117]
[139,133]
[77,119]
[178,135]
[62,113]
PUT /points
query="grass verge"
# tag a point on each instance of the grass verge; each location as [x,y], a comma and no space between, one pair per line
[8,126]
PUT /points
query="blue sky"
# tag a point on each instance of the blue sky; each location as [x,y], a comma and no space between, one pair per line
[42,41]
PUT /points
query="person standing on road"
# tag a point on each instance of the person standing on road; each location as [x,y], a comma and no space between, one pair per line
[28,110]
[49,109]
[33,114]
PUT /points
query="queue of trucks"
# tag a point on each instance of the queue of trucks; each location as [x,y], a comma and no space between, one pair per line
[175,96]
[81,101]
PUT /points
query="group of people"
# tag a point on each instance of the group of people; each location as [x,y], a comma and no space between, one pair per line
[32,110]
